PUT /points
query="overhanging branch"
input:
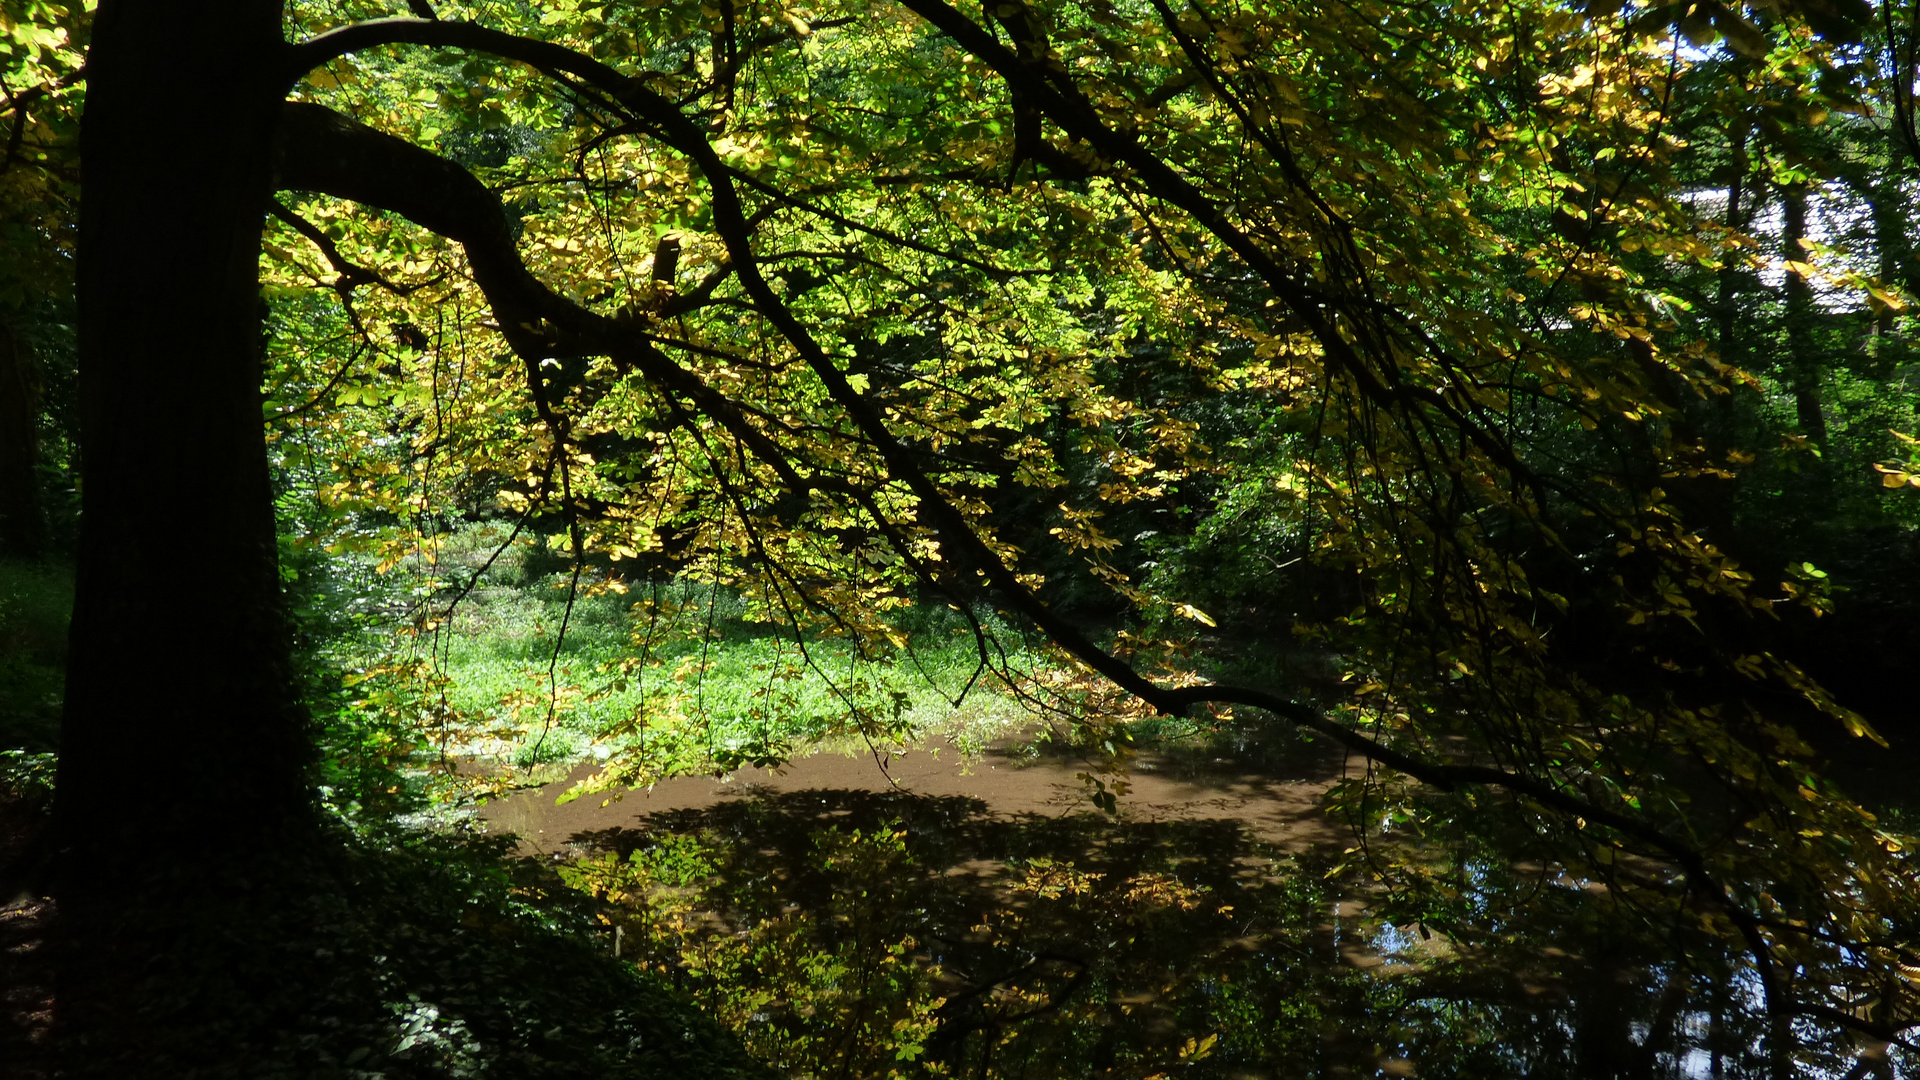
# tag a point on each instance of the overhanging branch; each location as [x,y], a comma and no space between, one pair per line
[317,149]
[323,151]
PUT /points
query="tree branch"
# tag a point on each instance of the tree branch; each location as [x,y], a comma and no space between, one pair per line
[324,151]
[317,149]
[352,274]
[435,204]
[546,56]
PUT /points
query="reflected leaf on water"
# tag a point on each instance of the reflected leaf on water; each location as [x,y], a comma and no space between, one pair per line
[851,933]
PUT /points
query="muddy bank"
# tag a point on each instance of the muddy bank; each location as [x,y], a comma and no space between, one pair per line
[1274,804]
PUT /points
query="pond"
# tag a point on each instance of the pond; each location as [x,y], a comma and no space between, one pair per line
[934,914]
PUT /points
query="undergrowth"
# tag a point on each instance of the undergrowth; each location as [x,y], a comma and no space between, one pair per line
[35,602]
[403,956]
[534,666]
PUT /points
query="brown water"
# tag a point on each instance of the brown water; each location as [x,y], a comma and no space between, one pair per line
[1278,806]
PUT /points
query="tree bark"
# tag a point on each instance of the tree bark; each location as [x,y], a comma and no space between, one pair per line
[183,746]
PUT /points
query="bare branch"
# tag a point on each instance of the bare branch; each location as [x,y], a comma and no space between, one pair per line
[352,274]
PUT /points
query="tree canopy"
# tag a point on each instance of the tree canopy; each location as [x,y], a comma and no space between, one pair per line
[1386,370]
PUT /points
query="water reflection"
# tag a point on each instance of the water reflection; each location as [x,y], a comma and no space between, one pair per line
[860,933]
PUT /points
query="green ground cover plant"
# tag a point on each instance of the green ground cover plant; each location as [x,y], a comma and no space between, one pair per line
[488,654]
[35,600]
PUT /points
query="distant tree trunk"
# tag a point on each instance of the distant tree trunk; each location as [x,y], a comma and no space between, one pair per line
[1728,301]
[1887,233]
[183,745]
[1780,1044]
[22,524]
[1603,1033]
[1890,234]
[1717,1028]
[1803,362]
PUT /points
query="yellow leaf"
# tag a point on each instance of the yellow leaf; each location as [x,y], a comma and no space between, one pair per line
[1196,615]
[1197,1050]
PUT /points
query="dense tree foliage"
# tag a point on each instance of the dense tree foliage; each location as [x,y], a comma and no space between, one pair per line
[1486,388]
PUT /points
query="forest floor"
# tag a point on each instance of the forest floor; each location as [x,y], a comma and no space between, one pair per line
[26,975]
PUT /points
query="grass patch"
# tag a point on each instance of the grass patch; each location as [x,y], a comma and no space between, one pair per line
[660,678]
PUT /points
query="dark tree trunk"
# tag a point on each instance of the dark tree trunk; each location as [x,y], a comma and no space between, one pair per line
[1888,232]
[183,744]
[22,524]
[1603,1041]
[1803,361]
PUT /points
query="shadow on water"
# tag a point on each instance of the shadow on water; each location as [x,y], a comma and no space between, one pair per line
[875,933]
